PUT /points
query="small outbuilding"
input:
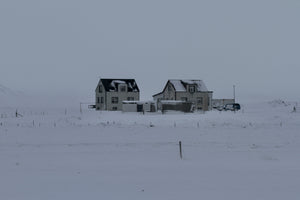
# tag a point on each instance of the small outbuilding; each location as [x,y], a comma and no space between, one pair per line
[138,106]
[172,105]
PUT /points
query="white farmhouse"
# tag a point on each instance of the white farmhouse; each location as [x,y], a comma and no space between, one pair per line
[193,91]
[110,93]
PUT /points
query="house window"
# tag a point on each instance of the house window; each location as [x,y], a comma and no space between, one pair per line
[123,88]
[102,100]
[169,88]
[200,100]
[100,89]
[192,89]
[183,98]
[114,108]
[130,98]
[98,100]
[114,100]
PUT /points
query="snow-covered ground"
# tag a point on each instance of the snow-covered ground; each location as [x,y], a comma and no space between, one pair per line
[63,154]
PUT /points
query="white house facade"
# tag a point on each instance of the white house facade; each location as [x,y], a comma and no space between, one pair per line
[110,93]
[193,91]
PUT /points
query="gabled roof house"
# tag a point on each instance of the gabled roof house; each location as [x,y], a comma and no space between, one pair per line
[110,93]
[194,91]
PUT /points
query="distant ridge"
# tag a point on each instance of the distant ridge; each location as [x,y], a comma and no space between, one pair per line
[9,97]
[6,91]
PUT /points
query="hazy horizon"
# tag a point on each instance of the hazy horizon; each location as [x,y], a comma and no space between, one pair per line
[64,47]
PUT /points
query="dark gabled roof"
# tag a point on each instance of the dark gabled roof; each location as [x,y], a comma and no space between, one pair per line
[181,85]
[157,94]
[112,84]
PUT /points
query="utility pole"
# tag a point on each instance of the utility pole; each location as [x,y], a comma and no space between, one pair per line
[234,93]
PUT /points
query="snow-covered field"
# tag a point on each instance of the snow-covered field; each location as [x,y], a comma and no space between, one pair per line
[62,154]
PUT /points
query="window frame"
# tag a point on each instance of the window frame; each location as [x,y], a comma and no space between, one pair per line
[184,99]
[130,98]
[192,89]
[122,88]
[169,88]
[200,100]
[114,100]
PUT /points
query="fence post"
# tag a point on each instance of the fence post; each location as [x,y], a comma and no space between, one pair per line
[180,150]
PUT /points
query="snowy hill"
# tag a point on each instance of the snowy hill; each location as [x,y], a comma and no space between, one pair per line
[5,91]
[8,97]
[13,98]
[34,100]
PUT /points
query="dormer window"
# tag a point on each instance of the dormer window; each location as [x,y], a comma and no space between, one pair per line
[192,89]
[122,88]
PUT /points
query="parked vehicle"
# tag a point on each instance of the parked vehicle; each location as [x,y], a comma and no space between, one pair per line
[232,106]
[219,108]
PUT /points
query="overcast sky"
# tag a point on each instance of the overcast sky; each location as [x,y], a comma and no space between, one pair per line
[65,46]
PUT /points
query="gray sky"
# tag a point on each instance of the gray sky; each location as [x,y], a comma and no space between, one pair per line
[64,46]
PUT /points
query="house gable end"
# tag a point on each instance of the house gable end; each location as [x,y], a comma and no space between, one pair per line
[166,87]
[99,83]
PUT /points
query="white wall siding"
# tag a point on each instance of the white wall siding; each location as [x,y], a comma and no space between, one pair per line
[99,105]
[193,97]
[107,98]
[129,107]
[122,96]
